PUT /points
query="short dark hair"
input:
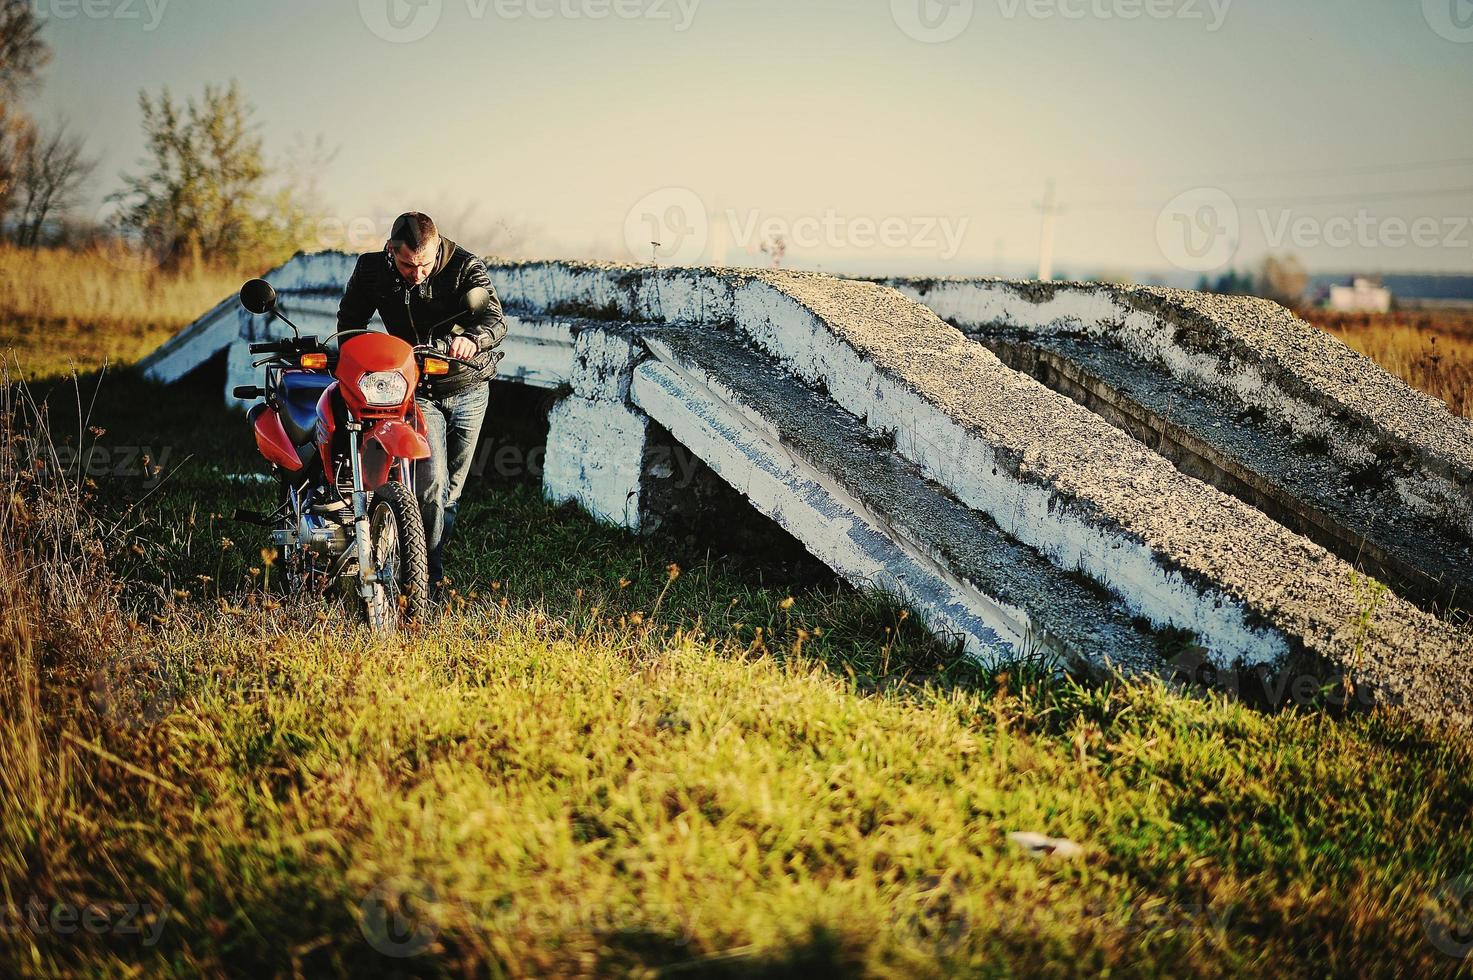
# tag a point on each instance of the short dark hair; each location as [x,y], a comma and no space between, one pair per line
[413,230]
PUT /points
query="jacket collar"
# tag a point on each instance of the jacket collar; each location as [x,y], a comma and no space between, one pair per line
[425,289]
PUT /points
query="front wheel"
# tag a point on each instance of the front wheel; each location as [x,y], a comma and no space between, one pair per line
[396,536]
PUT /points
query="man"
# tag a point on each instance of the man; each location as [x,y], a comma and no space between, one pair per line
[416,282]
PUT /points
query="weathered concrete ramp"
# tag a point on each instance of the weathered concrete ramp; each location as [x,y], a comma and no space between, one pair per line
[1241,393]
[906,455]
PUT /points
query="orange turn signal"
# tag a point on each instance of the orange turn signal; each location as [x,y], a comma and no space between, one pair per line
[433,365]
[314,360]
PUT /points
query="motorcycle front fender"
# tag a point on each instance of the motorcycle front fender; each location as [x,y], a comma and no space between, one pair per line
[399,440]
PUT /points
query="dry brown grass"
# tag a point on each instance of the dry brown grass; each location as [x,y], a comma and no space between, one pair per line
[602,766]
[1431,350]
[62,309]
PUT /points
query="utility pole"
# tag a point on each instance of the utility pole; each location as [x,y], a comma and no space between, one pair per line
[1050,209]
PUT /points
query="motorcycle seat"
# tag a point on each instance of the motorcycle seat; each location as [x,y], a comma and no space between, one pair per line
[297,393]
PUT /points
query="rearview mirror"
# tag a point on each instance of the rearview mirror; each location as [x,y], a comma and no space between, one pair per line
[476,299]
[259,297]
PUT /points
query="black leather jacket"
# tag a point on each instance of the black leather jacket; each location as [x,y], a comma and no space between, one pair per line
[409,313]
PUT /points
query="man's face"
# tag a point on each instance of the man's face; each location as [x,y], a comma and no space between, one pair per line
[415,267]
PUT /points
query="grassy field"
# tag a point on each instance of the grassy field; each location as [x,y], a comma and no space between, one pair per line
[64,310]
[628,755]
[1431,350]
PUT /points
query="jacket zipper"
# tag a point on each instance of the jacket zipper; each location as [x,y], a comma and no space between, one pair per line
[410,313]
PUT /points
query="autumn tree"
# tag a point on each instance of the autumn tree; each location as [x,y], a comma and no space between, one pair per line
[53,167]
[1283,279]
[22,56]
[206,191]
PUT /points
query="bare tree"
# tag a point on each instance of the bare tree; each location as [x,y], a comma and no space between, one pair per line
[22,56]
[16,136]
[22,52]
[52,169]
[1283,279]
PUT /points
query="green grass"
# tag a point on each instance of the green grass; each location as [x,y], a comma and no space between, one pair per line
[620,755]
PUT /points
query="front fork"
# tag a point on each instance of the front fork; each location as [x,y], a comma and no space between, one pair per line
[367,571]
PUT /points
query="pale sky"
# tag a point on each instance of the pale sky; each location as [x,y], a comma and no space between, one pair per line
[907,136]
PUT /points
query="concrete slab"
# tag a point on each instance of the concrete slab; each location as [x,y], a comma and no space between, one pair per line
[918,539]
[1254,352]
[1355,513]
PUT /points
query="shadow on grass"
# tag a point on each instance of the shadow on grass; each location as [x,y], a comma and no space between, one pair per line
[168,464]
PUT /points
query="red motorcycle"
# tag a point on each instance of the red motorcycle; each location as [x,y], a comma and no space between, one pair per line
[342,433]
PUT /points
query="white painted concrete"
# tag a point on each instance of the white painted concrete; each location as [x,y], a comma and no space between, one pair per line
[595,455]
[818,512]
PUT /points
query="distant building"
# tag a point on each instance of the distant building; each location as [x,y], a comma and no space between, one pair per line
[1361,296]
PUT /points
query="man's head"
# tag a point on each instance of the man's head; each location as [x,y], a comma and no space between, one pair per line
[413,244]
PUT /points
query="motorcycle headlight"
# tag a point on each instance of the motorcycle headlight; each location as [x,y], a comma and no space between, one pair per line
[383,387]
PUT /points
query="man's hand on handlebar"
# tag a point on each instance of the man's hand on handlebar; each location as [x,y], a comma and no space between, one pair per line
[463,348]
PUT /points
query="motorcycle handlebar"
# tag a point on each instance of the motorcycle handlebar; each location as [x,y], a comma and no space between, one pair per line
[288,346]
[424,351]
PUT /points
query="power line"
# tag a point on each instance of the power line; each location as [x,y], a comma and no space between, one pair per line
[1361,171]
[1344,197]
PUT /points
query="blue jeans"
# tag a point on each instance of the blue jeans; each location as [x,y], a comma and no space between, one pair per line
[454,426]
